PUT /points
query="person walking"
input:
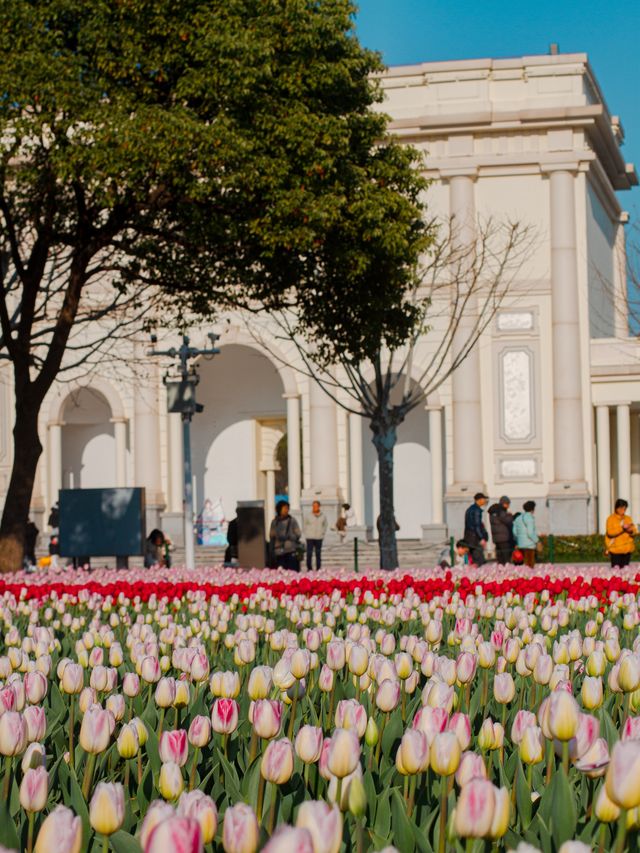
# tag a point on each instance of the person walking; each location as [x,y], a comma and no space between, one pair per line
[475,533]
[620,531]
[501,523]
[526,534]
[284,538]
[314,526]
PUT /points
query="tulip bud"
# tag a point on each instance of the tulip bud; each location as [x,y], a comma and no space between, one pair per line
[165,692]
[504,688]
[35,756]
[267,717]
[224,716]
[358,660]
[531,745]
[277,761]
[199,731]
[622,781]
[173,747]
[563,715]
[240,830]
[605,810]
[260,683]
[95,731]
[471,766]
[326,679]
[116,704]
[629,673]
[34,789]
[13,734]
[170,781]
[287,839]
[388,695]
[143,734]
[324,824]
[444,755]
[72,679]
[474,809]
[414,751]
[343,754]
[183,694]
[175,833]
[35,687]
[591,692]
[61,832]
[157,812]
[202,808]
[106,811]
[131,685]
[371,734]
[127,742]
[36,722]
[308,744]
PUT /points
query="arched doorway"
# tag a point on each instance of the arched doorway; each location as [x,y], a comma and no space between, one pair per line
[236,438]
[412,475]
[88,441]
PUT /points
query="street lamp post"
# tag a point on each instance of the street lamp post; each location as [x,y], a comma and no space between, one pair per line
[181,398]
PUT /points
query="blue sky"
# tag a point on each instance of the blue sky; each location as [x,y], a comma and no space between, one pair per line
[406,31]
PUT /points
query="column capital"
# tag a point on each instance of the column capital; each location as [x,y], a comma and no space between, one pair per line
[572,167]
[446,174]
[433,407]
[120,420]
[290,396]
[56,424]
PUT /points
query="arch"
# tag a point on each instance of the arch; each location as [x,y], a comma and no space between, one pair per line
[64,392]
[88,445]
[234,334]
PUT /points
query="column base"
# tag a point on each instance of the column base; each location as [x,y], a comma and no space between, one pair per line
[173,526]
[434,534]
[154,508]
[357,531]
[570,509]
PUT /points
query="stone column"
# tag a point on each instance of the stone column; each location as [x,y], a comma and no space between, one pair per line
[568,494]
[270,502]
[55,462]
[323,455]
[120,435]
[620,280]
[436,530]
[358,528]
[603,454]
[623,435]
[635,466]
[147,438]
[294,464]
[468,475]
[173,517]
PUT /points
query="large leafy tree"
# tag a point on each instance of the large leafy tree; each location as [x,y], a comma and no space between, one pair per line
[210,148]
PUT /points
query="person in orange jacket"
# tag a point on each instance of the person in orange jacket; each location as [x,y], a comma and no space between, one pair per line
[619,535]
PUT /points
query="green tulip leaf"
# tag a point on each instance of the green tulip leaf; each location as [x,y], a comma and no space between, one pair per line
[122,842]
[8,834]
[153,752]
[392,732]
[403,837]
[563,810]
[523,798]
[382,825]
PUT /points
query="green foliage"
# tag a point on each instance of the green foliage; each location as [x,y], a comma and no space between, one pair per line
[574,549]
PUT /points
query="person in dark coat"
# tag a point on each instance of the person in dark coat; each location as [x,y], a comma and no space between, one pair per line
[231,552]
[501,521]
[30,539]
[475,533]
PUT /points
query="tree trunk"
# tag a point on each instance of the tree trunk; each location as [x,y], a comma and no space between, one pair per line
[26,453]
[384,440]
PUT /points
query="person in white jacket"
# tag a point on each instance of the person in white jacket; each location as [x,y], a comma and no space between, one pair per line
[314,527]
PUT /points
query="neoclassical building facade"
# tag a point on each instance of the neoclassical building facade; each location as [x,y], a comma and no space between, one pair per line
[546,407]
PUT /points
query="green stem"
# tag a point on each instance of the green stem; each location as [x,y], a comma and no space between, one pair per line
[161,723]
[412,795]
[8,766]
[272,810]
[360,839]
[622,831]
[339,793]
[253,749]
[260,800]
[379,744]
[565,757]
[72,722]
[331,701]
[105,843]
[88,776]
[442,834]
[139,767]
[294,708]
[32,817]
[403,693]
[192,775]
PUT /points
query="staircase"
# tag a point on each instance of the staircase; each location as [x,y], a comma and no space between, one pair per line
[411,553]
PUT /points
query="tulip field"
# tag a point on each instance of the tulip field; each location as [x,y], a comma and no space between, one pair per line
[233,711]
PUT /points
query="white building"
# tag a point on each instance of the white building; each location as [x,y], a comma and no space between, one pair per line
[548,405]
